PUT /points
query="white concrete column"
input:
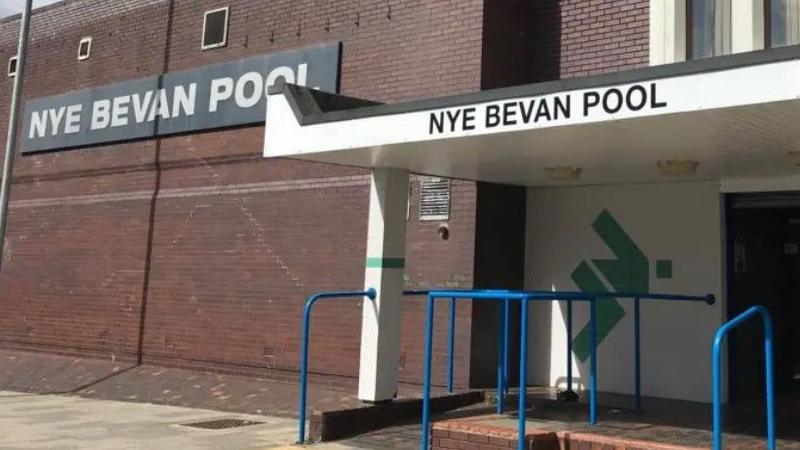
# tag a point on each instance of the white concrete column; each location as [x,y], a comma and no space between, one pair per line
[380,321]
[667,31]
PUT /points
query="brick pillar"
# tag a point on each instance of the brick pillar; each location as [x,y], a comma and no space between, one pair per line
[380,321]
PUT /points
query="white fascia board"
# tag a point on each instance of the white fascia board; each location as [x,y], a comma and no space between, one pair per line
[756,84]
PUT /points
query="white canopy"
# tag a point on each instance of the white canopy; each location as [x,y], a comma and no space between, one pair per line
[738,117]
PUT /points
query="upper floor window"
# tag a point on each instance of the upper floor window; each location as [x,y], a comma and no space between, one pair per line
[694,29]
[12,66]
[708,27]
[215,28]
[84,48]
[783,22]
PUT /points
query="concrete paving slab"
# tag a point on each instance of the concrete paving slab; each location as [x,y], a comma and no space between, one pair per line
[31,421]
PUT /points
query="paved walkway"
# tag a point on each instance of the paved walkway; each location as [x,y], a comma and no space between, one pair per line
[69,379]
[62,422]
[62,402]
[31,421]
[53,374]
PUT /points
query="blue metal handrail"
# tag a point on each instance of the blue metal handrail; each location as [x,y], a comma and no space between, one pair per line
[451,330]
[505,296]
[708,299]
[503,355]
[716,377]
[503,331]
[636,297]
[301,421]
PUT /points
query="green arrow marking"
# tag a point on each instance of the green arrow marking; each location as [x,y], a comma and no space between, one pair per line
[609,312]
[628,273]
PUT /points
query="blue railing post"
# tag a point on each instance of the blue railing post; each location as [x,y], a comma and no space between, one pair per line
[523,373]
[506,342]
[769,374]
[426,385]
[637,355]
[501,357]
[451,338]
[301,421]
[569,345]
[303,371]
[716,393]
[593,370]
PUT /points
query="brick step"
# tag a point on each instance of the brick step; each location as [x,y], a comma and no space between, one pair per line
[469,434]
[347,422]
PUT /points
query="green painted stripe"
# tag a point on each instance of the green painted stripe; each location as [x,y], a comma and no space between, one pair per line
[374,262]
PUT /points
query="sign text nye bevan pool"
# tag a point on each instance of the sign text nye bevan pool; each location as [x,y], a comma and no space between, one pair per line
[553,108]
[221,95]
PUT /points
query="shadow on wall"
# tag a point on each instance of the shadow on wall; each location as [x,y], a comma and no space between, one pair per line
[531,52]
[540,341]
[548,343]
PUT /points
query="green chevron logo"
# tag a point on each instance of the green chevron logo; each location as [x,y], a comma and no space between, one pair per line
[629,272]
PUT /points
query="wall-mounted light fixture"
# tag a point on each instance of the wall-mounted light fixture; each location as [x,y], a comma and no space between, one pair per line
[563,173]
[677,167]
[444,231]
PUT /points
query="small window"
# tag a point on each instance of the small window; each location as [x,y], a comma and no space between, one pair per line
[782,23]
[84,48]
[434,199]
[215,28]
[12,66]
[708,27]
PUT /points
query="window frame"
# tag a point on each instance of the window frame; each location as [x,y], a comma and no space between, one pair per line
[224,42]
[689,30]
[768,26]
[15,60]
[85,40]
[690,33]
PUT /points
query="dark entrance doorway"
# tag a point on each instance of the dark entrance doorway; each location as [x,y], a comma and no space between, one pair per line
[764,267]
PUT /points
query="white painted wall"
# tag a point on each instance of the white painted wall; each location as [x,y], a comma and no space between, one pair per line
[681,222]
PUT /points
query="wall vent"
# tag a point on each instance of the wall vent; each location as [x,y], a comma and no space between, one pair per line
[434,199]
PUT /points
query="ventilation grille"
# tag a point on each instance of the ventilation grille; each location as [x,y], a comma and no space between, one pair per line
[221,424]
[434,199]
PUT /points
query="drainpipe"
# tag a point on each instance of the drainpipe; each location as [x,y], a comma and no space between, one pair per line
[11,140]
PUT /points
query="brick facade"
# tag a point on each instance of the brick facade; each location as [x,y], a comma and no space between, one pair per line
[588,37]
[193,250]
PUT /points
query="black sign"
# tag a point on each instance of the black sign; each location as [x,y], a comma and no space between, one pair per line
[221,95]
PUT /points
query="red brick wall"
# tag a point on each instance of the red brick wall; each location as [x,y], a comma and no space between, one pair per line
[587,37]
[211,277]
[148,249]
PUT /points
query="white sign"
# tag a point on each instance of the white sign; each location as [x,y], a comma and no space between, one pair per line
[773,82]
